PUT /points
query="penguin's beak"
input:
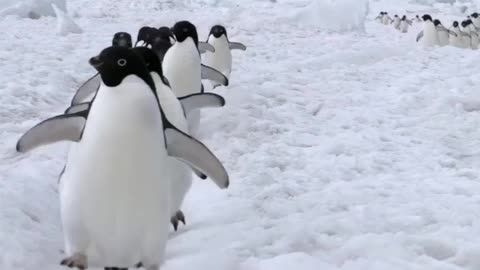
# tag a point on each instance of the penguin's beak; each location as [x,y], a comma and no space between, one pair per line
[96,62]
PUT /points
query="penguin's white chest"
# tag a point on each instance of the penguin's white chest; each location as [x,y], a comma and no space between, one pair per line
[443,37]
[221,59]
[396,23]
[455,40]
[182,67]
[385,19]
[430,36]
[115,189]
[404,27]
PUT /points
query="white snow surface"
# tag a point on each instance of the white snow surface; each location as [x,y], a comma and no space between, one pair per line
[30,8]
[345,150]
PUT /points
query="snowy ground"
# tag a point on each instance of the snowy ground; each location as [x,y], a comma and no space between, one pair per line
[345,151]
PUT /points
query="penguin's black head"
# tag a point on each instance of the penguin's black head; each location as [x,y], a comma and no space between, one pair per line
[436,22]
[464,24]
[404,18]
[165,33]
[469,22]
[427,17]
[122,39]
[218,30]
[475,15]
[144,36]
[455,24]
[395,16]
[417,16]
[183,30]
[116,63]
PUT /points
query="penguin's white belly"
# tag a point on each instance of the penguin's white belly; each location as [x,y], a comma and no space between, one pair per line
[181,174]
[466,42]
[385,20]
[430,36]
[115,189]
[221,59]
[404,27]
[396,24]
[443,38]
[475,42]
[182,68]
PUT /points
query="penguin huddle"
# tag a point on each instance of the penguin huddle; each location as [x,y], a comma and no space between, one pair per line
[134,149]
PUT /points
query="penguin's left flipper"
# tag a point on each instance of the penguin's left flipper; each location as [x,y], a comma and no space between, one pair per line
[450,32]
[420,35]
[78,108]
[237,46]
[214,75]
[89,87]
[203,47]
[67,127]
[201,100]
[189,150]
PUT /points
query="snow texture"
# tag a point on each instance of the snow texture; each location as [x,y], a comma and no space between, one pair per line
[32,9]
[336,15]
[346,151]
[65,24]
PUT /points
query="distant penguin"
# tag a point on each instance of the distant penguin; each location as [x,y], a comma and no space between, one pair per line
[379,18]
[455,37]
[115,189]
[174,110]
[88,89]
[122,39]
[183,69]
[163,40]
[470,38]
[428,35]
[221,59]
[404,24]
[473,34]
[386,18]
[396,22]
[476,20]
[442,33]
[417,19]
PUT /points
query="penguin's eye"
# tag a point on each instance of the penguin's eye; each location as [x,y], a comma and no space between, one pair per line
[122,62]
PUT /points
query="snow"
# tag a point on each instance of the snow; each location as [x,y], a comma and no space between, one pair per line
[346,150]
[31,8]
[65,24]
[338,15]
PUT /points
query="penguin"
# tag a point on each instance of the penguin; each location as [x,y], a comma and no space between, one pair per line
[114,191]
[174,111]
[470,38]
[379,18]
[404,24]
[417,19]
[221,59]
[456,35]
[442,33]
[163,40]
[145,36]
[386,18]
[475,19]
[183,69]
[396,22]
[429,32]
[122,39]
[472,30]
[87,89]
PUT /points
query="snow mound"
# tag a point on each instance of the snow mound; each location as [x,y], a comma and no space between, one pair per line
[335,15]
[65,24]
[32,9]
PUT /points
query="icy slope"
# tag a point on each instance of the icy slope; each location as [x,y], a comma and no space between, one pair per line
[346,151]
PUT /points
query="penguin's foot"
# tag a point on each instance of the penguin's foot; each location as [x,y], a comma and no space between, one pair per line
[179,216]
[77,260]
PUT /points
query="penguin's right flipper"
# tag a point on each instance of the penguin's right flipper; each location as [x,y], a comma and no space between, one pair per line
[89,87]
[67,127]
[78,108]
[203,47]
[420,35]
[450,32]
[214,75]
[201,100]
[189,150]
[237,46]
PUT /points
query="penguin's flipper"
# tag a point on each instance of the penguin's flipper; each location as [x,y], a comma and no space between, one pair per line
[199,101]
[89,87]
[237,46]
[189,150]
[420,35]
[465,34]
[214,75]
[203,47]
[450,32]
[78,108]
[474,34]
[67,127]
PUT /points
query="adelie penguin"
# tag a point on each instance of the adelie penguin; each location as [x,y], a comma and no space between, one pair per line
[386,18]
[456,35]
[221,59]
[183,69]
[379,18]
[114,192]
[469,28]
[175,110]
[475,17]
[404,24]
[163,40]
[417,19]
[89,88]
[442,33]
[396,22]
[428,35]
